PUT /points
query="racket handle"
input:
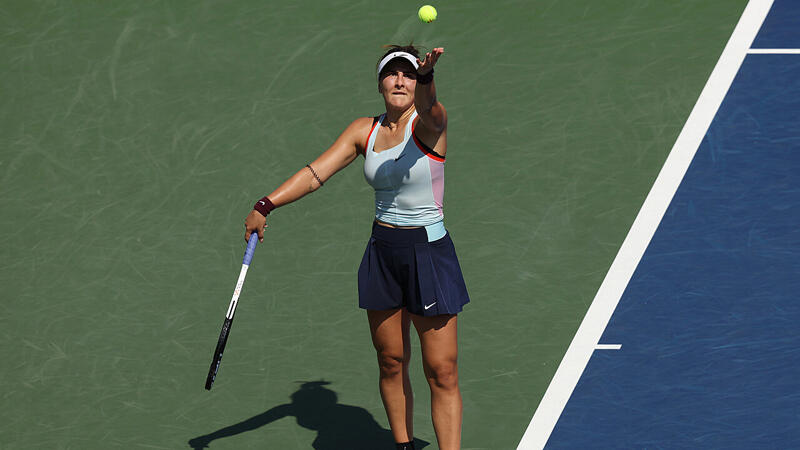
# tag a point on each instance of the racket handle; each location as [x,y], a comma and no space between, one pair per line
[251,248]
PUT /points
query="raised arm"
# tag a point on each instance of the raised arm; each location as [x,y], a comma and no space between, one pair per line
[311,177]
[432,115]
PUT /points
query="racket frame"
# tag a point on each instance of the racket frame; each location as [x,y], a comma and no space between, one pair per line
[228,322]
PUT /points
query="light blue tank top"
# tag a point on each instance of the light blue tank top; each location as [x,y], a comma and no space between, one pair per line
[408,179]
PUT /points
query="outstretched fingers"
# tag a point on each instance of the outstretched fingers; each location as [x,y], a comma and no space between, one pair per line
[431,57]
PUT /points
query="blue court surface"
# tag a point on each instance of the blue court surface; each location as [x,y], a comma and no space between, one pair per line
[709,352]
[781,28]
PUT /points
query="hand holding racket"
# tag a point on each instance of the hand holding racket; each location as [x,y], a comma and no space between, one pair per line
[254,223]
[226,325]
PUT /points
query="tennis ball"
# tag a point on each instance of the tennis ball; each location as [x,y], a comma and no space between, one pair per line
[427,14]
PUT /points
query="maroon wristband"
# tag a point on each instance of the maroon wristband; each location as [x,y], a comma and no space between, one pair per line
[264,206]
[425,79]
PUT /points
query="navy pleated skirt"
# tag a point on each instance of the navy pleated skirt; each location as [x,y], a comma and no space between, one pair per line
[401,269]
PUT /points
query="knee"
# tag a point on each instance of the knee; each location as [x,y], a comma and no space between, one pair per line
[391,365]
[443,375]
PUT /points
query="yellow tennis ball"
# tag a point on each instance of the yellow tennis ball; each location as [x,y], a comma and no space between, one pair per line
[427,14]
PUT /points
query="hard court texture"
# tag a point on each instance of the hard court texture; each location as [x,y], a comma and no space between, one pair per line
[135,137]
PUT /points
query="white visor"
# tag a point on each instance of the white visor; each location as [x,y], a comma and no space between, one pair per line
[408,56]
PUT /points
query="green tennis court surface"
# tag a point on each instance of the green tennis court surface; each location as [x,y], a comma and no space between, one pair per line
[135,138]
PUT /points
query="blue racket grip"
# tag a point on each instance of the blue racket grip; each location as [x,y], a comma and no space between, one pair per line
[251,248]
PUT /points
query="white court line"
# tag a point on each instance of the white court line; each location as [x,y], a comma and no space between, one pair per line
[774,51]
[608,347]
[643,228]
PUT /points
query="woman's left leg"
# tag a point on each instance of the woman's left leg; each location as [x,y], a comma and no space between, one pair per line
[439,340]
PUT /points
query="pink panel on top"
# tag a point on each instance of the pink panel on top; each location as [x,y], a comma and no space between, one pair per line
[437,183]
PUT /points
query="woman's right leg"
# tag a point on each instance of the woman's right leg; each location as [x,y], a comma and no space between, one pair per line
[390,336]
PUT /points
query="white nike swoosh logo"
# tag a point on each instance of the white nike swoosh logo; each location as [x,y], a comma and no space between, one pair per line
[428,306]
[262,202]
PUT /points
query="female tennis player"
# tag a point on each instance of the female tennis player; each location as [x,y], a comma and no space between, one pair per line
[409,273]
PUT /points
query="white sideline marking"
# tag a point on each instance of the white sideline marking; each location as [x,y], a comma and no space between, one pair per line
[643,228]
[608,346]
[774,51]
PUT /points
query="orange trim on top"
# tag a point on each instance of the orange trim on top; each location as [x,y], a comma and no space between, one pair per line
[366,144]
[422,147]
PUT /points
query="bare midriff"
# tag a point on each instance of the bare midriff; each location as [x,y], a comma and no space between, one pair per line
[388,225]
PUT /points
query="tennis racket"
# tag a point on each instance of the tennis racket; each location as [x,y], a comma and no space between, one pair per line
[226,326]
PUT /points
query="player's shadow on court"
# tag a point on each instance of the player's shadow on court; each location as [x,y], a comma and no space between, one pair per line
[338,427]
